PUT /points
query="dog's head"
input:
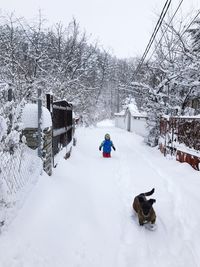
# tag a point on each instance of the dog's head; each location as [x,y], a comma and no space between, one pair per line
[146,205]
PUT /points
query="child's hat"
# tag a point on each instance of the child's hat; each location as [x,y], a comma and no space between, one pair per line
[107,136]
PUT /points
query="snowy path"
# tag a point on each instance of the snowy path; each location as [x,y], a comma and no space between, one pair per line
[82,216]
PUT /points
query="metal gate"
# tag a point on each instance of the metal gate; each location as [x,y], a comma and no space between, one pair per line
[62,123]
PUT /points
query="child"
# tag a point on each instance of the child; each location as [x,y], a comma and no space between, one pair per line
[106,144]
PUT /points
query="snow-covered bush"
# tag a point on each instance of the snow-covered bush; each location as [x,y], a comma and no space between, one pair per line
[3,127]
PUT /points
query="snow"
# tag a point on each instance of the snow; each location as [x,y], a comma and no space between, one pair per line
[105,123]
[30,117]
[82,215]
[134,110]
[121,113]
[167,117]
[19,173]
[4,86]
[3,127]
[132,107]
[189,117]
[59,131]
[182,147]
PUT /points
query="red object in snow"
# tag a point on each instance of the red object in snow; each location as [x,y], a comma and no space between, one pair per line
[106,155]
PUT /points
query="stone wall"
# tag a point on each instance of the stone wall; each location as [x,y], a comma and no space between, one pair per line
[31,141]
[47,151]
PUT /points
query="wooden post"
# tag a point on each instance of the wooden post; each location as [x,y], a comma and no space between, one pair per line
[49,99]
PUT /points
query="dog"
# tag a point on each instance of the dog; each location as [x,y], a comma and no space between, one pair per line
[144,209]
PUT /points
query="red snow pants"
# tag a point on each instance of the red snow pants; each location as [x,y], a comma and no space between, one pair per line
[106,155]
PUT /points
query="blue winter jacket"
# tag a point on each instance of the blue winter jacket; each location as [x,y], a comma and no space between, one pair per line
[107,144]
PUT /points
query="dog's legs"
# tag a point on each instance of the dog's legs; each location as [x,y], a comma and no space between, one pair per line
[141,221]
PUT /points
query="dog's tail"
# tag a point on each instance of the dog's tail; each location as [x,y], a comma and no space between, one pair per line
[149,193]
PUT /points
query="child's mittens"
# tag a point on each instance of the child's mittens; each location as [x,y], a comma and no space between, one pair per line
[114,148]
[100,148]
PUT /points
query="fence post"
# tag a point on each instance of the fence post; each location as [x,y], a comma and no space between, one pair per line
[39,122]
[49,100]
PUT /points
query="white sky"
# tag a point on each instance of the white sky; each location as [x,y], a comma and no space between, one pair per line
[122,26]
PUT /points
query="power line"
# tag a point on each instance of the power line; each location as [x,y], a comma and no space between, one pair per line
[184,31]
[157,27]
[182,35]
[154,35]
[166,29]
[198,13]
[190,23]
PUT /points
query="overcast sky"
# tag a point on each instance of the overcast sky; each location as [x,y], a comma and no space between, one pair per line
[123,26]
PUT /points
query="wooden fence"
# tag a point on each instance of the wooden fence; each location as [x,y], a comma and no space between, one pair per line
[180,136]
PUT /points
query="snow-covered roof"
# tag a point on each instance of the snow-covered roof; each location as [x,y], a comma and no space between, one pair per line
[30,117]
[134,110]
[132,107]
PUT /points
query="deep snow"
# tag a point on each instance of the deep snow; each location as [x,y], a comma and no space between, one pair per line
[82,215]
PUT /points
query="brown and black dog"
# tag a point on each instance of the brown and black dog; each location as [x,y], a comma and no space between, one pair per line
[144,209]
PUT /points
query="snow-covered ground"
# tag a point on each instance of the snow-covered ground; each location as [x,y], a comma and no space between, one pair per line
[82,216]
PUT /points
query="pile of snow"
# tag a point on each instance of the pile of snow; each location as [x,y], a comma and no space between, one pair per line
[105,123]
[30,117]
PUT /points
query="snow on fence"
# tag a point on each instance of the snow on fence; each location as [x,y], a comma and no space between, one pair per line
[30,132]
[180,136]
[132,121]
[20,166]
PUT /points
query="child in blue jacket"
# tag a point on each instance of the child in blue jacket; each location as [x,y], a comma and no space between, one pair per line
[107,144]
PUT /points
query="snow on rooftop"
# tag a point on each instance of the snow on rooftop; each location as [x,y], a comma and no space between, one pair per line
[30,117]
[133,109]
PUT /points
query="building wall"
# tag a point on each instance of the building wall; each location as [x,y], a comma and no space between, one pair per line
[138,125]
[120,122]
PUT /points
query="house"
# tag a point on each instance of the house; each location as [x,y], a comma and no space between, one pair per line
[130,119]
